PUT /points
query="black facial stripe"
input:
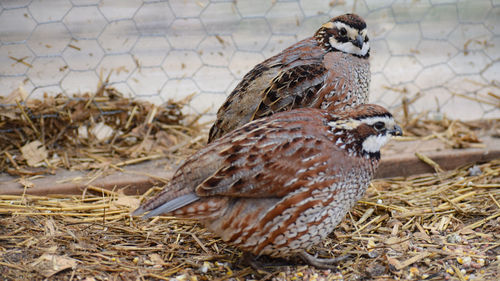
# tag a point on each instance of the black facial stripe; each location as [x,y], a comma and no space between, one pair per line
[388,115]
[373,155]
[342,39]
[356,25]
[327,33]
[363,57]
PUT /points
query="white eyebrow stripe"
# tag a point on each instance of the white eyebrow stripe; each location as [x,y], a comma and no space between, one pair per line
[373,120]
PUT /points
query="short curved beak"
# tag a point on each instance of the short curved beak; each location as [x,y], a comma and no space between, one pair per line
[359,41]
[397,131]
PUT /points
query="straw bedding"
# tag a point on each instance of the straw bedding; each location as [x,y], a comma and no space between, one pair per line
[428,227]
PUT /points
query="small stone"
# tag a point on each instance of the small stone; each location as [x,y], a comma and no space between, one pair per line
[454,238]
[182,277]
[474,171]
[465,260]
[205,267]
[373,254]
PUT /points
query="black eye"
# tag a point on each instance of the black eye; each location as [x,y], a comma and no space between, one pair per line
[343,32]
[379,125]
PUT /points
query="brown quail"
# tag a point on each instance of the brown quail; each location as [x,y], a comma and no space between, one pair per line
[280,184]
[329,70]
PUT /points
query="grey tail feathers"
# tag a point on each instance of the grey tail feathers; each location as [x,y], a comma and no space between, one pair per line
[167,207]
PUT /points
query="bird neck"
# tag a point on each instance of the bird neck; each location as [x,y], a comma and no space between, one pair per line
[352,143]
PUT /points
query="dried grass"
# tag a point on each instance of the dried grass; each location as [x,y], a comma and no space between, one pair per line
[432,227]
[105,130]
[454,134]
[91,131]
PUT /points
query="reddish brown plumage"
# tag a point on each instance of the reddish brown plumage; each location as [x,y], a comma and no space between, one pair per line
[280,184]
[310,73]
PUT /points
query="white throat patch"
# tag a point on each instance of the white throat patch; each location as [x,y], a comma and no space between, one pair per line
[373,144]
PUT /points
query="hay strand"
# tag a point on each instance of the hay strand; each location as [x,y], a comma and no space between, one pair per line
[422,227]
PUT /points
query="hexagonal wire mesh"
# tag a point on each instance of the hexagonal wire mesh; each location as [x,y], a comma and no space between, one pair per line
[444,51]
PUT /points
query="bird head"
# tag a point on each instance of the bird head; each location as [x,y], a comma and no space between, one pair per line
[346,33]
[364,129]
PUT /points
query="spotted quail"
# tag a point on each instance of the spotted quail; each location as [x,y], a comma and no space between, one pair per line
[280,184]
[328,70]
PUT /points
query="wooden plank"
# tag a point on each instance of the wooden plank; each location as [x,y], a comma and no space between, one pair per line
[407,164]
[400,160]
[134,180]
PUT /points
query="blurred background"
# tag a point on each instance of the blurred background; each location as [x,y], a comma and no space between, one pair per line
[441,57]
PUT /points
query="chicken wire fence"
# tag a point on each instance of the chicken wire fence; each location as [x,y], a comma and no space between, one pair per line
[441,56]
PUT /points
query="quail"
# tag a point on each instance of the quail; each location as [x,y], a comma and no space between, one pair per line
[328,70]
[278,185]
